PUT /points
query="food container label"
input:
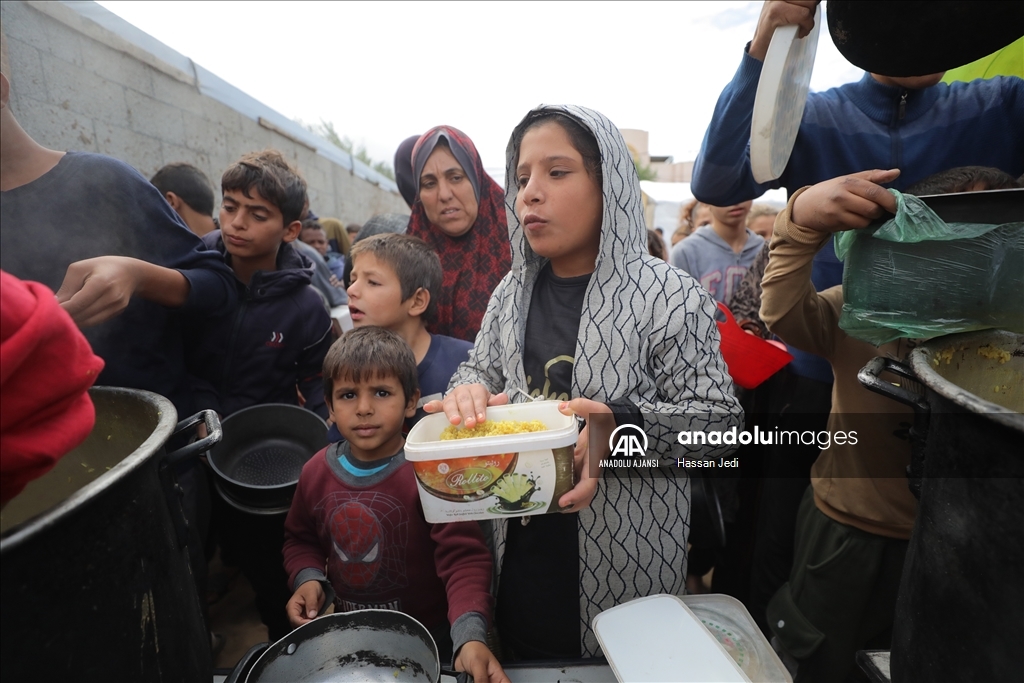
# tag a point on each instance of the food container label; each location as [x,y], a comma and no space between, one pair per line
[486,486]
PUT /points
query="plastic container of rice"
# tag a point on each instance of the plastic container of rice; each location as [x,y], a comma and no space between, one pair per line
[504,472]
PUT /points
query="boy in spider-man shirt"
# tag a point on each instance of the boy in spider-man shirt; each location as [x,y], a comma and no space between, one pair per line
[356,512]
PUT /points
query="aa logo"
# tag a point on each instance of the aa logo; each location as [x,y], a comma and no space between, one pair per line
[628,440]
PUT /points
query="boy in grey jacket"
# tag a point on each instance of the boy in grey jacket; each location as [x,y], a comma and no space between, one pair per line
[718,255]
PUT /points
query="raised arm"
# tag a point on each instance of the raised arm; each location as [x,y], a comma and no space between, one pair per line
[790,306]
[98,289]
[721,172]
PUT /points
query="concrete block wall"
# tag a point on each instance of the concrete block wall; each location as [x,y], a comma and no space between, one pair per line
[77,86]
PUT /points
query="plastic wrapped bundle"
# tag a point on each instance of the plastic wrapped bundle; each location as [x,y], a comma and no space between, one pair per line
[917,276]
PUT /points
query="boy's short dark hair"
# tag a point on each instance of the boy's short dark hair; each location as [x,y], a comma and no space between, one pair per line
[189,183]
[964,179]
[311,224]
[273,177]
[370,352]
[415,263]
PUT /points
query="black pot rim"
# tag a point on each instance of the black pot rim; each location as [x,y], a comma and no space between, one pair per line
[167,418]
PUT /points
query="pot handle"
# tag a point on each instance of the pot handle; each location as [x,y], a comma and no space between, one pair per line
[213,431]
[869,378]
[245,664]
[459,676]
[917,434]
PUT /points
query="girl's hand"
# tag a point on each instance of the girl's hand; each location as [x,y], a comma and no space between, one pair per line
[467,403]
[304,605]
[583,493]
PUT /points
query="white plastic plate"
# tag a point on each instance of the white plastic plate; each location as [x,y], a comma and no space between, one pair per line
[780,99]
[658,638]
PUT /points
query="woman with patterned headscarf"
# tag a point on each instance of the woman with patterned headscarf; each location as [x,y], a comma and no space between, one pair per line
[460,212]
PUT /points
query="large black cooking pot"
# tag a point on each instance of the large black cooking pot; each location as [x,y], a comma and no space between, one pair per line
[960,610]
[96,583]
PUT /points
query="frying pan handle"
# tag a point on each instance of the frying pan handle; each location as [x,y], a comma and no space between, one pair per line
[459,676]
[245,664]
[213,435]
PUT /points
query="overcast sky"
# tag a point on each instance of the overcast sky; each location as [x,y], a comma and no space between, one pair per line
[382,71]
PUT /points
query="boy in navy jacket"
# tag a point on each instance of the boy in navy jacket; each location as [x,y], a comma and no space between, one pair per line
[275,336]
[268,348]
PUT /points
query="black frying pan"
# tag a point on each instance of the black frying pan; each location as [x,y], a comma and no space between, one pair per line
[259,459]
[365,645]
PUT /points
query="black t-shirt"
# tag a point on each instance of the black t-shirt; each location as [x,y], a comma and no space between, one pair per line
[92,205]
[538,602]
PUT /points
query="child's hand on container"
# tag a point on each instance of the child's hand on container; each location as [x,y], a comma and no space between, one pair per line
[476,659]
[304,605]
[583,493]
[845,203]
[467,403]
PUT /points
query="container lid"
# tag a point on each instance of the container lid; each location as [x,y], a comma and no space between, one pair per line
[658,638]
[728,620]
[780,99]
[424,440]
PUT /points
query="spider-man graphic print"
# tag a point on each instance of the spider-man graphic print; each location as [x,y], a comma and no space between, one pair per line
[368,536]
[367,532]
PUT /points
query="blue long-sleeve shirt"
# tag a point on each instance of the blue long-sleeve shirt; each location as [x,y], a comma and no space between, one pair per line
[857,127]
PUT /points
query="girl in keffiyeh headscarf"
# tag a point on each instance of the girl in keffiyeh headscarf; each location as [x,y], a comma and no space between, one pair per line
[586,316]
[460,212]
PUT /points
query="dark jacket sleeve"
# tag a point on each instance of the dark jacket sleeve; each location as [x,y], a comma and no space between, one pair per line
[721,172]
[309,366]
[336,296]
[169,243]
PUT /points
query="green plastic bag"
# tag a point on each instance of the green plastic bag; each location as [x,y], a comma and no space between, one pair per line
[919,277]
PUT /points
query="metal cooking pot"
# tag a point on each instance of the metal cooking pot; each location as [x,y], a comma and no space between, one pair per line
[364,645]
[258,462]
[960,610]
[95,576]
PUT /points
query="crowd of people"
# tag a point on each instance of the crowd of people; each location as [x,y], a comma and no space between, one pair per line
[551,287]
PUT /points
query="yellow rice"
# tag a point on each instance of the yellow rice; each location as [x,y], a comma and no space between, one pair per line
[492,428]
[994,353]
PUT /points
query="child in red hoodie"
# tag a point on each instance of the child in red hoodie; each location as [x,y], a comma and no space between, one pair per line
[356,512]
[46,369]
